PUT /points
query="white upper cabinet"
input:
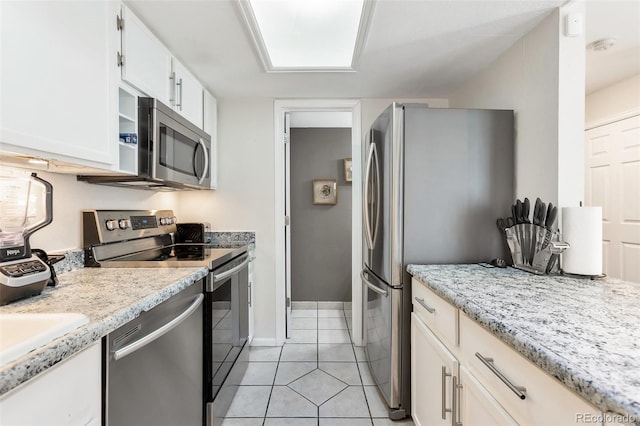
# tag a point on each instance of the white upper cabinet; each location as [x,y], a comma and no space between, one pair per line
[187,94]
[58,77]
[145,63]
[150,67]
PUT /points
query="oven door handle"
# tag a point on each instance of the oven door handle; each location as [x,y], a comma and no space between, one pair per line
[140,343]
[230,272]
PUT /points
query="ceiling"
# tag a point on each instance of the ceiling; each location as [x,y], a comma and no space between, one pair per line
[414,49]
[619,19]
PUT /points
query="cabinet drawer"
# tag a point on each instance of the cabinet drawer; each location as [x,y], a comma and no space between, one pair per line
[440,316]
[543,401]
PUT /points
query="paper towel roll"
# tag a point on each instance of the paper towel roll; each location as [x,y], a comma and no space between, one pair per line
[582,229]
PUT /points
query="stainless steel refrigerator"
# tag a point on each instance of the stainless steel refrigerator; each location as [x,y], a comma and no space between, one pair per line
[435,181]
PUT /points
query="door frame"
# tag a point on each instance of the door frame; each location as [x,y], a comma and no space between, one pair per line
[281,107]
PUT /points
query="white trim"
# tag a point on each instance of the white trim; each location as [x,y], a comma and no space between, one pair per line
[264,341]
[366,16]
[290,105]
[612,119]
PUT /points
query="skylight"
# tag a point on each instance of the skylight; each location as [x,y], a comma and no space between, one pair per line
[308,35]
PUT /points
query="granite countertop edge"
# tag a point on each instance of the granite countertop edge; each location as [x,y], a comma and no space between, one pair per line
[535,351]
[35,362]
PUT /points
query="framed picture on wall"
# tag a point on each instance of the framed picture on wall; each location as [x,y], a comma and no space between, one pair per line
[348,170]
[325,191]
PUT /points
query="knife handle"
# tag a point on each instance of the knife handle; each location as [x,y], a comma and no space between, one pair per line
[552,212]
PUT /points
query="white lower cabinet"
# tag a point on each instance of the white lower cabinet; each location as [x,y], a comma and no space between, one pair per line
[66,394]
[433,372]
[477,406]
[471,377]
[529,395]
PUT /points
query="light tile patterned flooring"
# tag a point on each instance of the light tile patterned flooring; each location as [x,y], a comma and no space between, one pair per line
[317,378]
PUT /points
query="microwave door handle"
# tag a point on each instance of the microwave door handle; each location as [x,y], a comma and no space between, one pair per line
[205,169]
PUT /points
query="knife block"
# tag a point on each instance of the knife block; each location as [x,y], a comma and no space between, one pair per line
[534,248]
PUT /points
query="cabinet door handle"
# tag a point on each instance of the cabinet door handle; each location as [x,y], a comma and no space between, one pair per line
[445,410]
[520,391]
[455,407]
[172,86]
[179,104]
[424,305]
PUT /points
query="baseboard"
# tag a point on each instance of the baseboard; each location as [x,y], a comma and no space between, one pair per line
[264,341]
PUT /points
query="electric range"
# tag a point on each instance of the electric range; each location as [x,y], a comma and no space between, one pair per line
[145,239]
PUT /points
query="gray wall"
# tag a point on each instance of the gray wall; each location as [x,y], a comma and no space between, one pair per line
[320,234]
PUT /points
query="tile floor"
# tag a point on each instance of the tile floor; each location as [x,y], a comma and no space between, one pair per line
[317,378]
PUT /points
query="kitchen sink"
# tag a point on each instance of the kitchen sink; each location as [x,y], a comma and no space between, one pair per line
[22,333]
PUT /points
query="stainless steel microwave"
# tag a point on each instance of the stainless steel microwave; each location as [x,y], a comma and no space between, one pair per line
[173,153]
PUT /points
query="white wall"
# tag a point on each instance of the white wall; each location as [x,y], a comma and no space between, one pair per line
[542,78]
[571,104]
[70,197]
[245,196]
[614,101]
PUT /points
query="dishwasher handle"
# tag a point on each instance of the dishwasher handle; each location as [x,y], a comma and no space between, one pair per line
[144,341]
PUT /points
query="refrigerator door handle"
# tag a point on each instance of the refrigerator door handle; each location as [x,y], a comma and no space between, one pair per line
[374,230]
[372,286]
[365,198]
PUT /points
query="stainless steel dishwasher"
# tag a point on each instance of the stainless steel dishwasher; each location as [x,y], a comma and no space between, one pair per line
[154,365]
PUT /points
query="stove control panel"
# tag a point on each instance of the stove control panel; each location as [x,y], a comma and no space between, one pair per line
[110,226]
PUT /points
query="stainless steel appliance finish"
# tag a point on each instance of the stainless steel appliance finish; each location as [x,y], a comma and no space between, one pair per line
[143,238]
[227,292]
[173,153]
[154,365]
[435,180]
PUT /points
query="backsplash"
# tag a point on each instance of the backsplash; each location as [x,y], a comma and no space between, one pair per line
[230,239]
[73,259]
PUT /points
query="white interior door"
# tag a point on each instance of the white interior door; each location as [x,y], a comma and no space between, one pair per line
[287,215]
[613,182]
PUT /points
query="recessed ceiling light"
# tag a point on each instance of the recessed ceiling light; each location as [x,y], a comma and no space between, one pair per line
[308,35]
[602,44]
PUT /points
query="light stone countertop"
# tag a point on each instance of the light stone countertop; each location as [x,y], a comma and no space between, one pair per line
[109,297]
[584,332]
